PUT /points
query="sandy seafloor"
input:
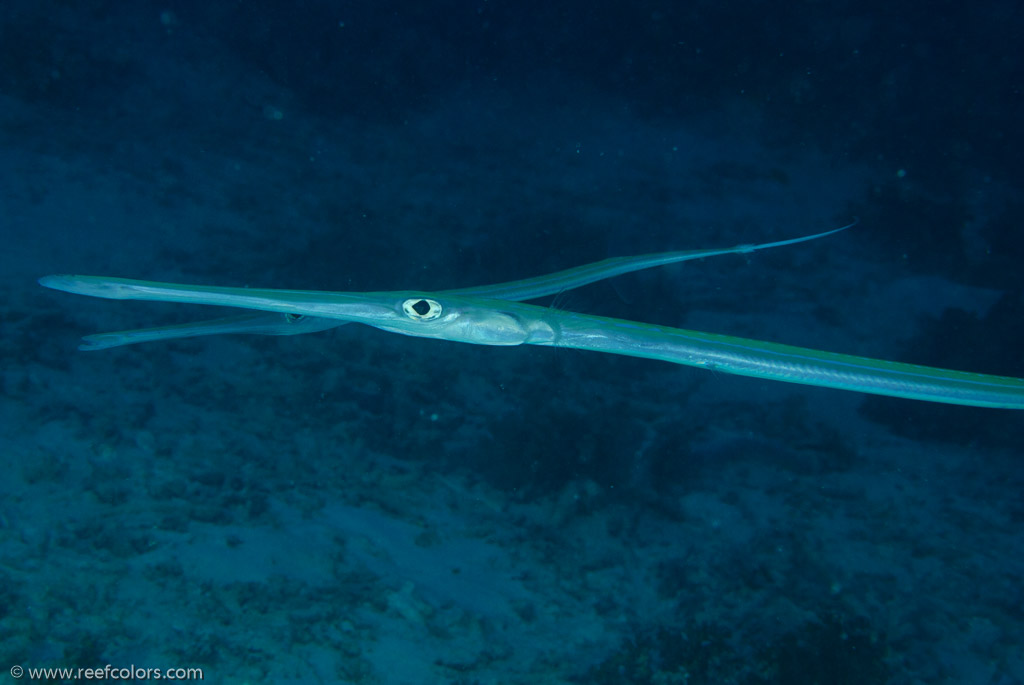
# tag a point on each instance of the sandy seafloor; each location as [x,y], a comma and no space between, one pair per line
[359,507]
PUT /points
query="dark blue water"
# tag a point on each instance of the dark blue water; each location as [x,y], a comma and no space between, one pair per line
[358,507]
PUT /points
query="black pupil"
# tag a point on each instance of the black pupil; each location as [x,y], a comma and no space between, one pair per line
[422,307]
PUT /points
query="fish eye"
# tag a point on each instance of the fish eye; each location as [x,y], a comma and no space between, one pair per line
[294,318]
[421,308]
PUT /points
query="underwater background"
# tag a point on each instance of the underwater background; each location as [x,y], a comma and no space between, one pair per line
[354,506]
